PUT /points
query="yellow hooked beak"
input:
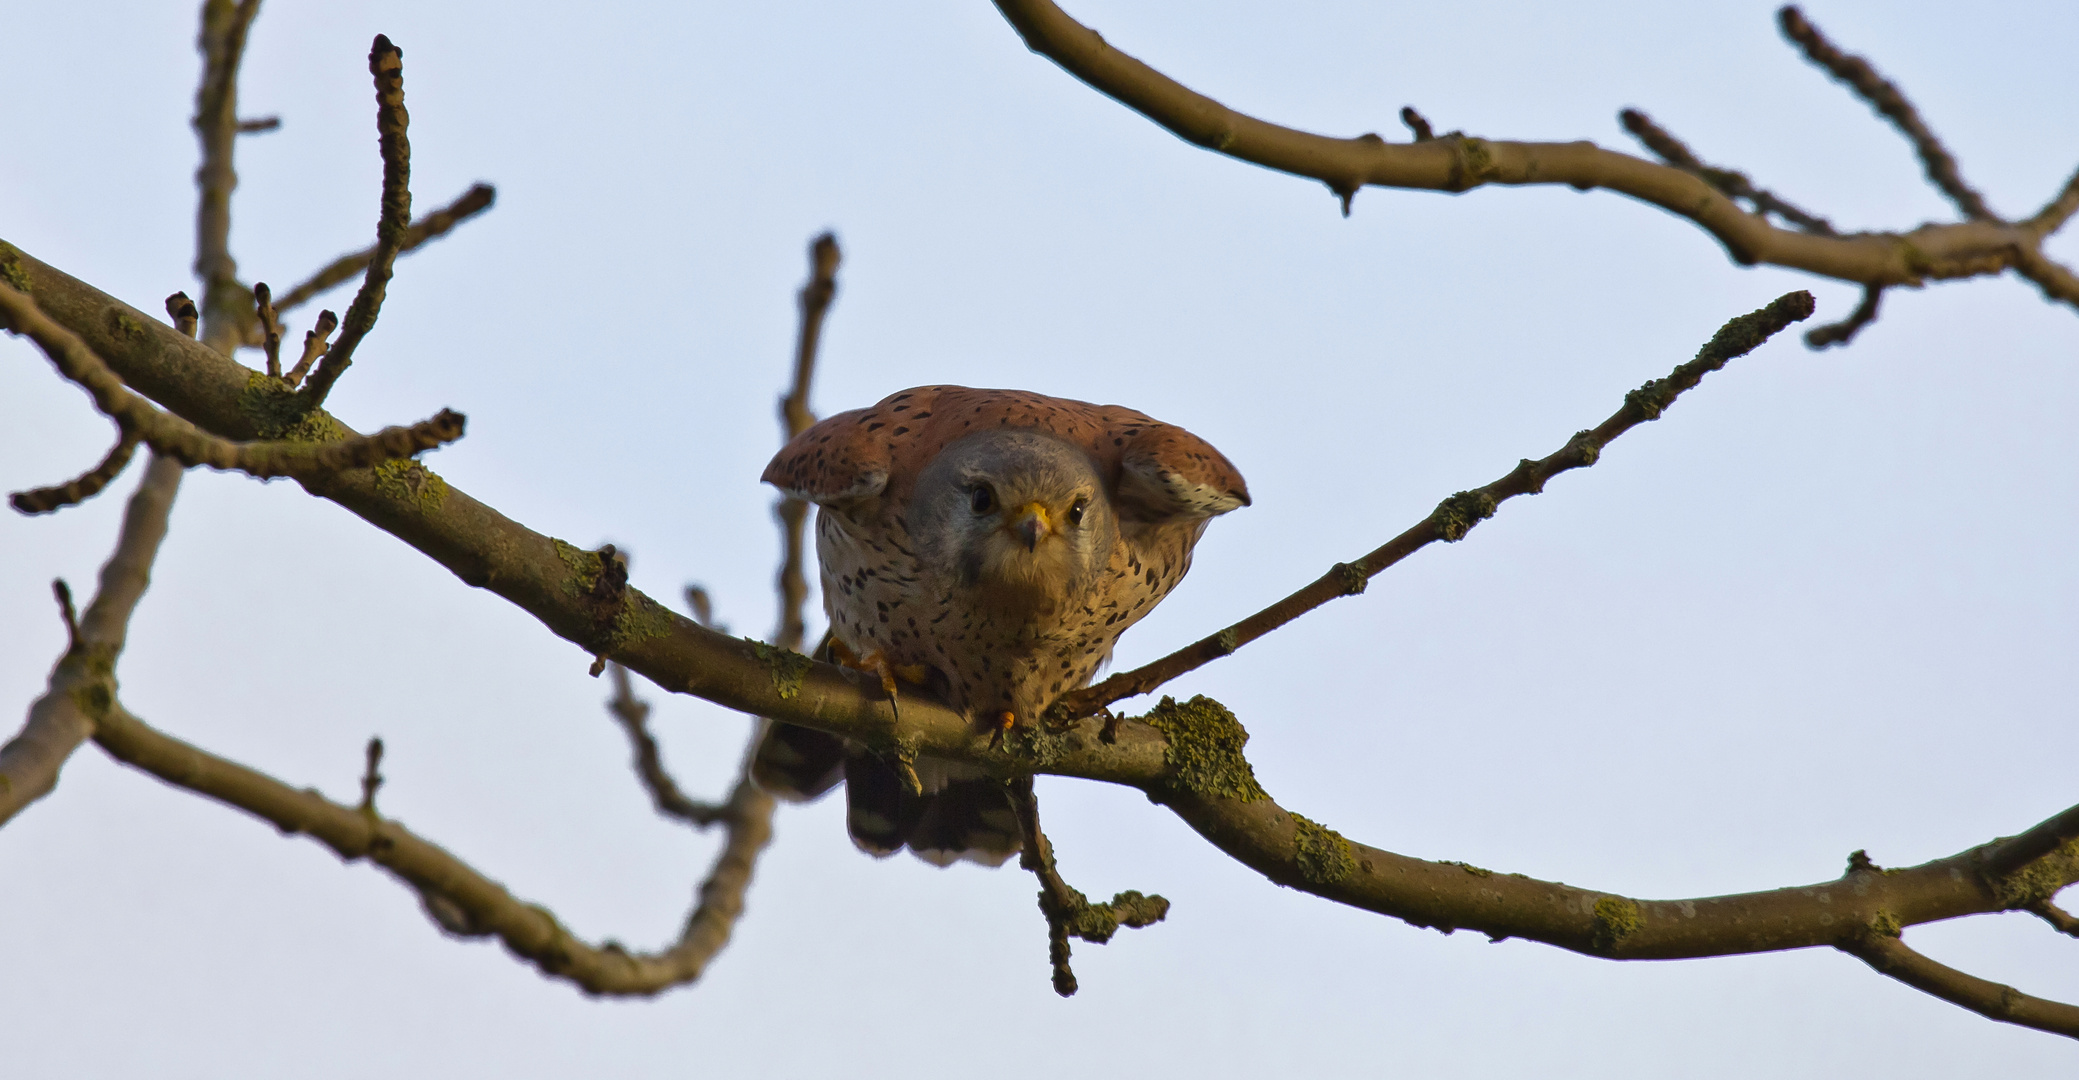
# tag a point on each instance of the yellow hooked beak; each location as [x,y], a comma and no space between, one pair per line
[1029,524]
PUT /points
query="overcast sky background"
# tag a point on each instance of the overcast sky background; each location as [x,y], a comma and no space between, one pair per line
[1827,603]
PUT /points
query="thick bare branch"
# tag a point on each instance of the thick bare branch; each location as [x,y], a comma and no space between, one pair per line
[392,121]
[61,719]
[1891,104]
[177,438]
[226,307]
[1171,755]
[1455,516]
[1995,1001]
[425,230]
[1458,163]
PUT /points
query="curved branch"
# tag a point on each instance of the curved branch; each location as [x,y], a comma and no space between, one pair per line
[1458,163]
[457,897]
[1992,1000]
[552,581]
[82,487]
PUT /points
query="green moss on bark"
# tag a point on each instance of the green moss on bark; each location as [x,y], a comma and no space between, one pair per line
[1204,756]
[1323,854]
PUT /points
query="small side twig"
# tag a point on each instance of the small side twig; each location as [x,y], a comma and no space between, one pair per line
[1416,123]
[392,123]
[314,345]
[182,311]
[1841,333]
[1890,103]
[1068,912]
[371,775]
[633,714]
[425,230]
[2057,917]
[177,438]
[259,124]
[1995,1001]
[1734,184]
[1457,515]
[270,328]
[80,488]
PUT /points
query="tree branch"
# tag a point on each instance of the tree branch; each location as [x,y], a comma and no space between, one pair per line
[85,675]
[1992,1000]
[795,418]
[457,897]
[80,488]
[1891,104]
[423,231]
[386,63]
[179,439]
[225,303]
[1735,184]
[1455,516]
[1458,163]
[1177,754]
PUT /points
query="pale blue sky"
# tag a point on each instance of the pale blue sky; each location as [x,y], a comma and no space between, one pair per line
[1827,603]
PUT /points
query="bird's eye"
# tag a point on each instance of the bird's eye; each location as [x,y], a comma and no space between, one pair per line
[981,500]
[1075,513]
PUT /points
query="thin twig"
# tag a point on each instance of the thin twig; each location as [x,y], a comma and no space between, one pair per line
[177,438]
[816,296]
[1068,912]
[225,24]
[1890,103]
[392,121]
[1996,1001]
[1841,333]
[2058,211]
[260,124]
[1455,516]
[633,713]
[1734,184]
[182,311]
[425,230]
[314,345]
[1416,123]
[270,328]
[84,678]
[80,488]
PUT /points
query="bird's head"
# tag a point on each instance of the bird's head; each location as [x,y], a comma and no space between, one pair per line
[1020,514]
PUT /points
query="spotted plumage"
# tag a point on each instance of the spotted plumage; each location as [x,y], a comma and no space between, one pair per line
[995,544]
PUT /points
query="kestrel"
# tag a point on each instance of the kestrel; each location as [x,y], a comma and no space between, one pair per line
[991,545]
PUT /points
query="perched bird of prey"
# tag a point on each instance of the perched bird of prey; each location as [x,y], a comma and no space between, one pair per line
[990,545]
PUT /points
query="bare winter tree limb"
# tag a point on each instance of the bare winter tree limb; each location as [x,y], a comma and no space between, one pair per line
[84,676]
[1735,184]
[1455,516]
[1458,163]
[80,488]
[1175,753]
